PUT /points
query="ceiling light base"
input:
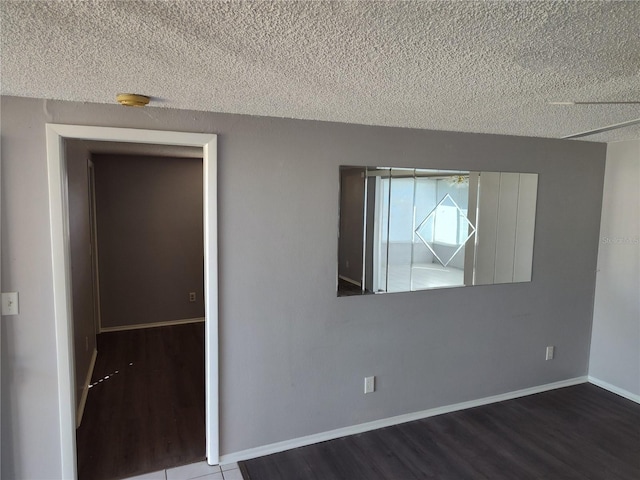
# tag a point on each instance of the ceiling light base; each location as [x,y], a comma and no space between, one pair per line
[132,100]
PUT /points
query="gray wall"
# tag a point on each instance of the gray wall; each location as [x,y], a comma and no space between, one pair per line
[292,354]
[84,326]
[615,342]
[150,238]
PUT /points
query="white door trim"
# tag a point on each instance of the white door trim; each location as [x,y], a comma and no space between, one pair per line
[58,214]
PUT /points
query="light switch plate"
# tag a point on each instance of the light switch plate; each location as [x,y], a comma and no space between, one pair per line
[10,303]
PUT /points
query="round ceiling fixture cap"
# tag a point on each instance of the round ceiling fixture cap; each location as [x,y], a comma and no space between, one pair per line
[132,100]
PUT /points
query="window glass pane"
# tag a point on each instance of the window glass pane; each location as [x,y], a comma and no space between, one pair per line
[446,224]
[400,231]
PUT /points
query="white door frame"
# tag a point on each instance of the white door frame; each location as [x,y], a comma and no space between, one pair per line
[93,225]
[59,219]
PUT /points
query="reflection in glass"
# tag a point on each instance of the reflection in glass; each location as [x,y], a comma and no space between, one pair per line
[415,229]
[447,225]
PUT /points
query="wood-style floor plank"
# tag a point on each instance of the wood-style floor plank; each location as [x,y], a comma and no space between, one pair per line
[148,412]
[580,432]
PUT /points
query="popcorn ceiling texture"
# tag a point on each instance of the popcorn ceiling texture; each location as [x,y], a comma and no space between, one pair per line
[488,67]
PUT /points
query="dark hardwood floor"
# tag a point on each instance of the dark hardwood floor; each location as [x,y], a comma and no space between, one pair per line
[574,433]
[145,411]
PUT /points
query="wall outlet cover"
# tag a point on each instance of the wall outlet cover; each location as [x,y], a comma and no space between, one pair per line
[549,353]
[369,384]
[10,303]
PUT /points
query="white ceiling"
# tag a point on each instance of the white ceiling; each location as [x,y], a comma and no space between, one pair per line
[489,67]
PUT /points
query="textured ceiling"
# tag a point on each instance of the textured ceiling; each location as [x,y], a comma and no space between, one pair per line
[489,67]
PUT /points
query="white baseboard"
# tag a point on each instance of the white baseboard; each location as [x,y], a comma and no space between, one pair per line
[138,326]
[386,422]
[85,388]
[613,389]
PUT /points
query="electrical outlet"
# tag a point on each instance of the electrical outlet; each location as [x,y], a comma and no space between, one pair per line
[10,303]
[369,384]
[549,353]
[192,296]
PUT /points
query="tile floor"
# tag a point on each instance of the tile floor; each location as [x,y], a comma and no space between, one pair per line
[199,471]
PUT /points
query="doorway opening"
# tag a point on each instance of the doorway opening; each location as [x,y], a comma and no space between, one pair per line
[141,370]
[60,237]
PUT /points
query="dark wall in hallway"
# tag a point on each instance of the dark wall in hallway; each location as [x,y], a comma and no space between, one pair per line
[150,238]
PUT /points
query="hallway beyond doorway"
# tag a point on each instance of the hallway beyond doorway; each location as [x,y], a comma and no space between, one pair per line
[146,407]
